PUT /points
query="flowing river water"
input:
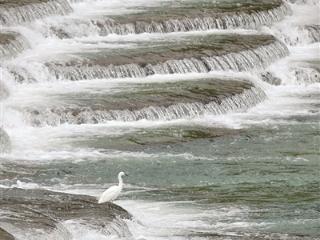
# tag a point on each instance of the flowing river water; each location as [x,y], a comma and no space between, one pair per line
[212,107]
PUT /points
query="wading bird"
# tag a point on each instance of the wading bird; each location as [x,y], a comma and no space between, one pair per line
[112,192]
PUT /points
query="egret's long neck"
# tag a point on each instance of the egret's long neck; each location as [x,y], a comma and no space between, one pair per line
[120,181]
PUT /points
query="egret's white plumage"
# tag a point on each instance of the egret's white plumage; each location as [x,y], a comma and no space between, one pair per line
[112,192]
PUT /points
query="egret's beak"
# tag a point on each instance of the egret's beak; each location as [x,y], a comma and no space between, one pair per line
[126,174]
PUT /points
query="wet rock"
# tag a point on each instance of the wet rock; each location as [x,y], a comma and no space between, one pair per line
[5,235]
[5,143]
[156,138]
[270,78]
[59,32]
[31,210]
[162,137]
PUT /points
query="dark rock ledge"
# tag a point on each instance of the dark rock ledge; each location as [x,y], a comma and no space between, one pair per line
[29,210]
[5,235]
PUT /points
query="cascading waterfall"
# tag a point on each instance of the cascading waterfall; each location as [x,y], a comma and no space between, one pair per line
[301,29]
[222,81]
[106,26]
[252,59]
[17,12]
[5,143]
[247,20]
[297,35]
[239,102]
[7,46]
[11,44]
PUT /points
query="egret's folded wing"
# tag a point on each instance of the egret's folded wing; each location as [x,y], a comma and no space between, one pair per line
[110,194]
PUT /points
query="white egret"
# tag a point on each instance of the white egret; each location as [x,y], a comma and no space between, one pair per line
[112,192]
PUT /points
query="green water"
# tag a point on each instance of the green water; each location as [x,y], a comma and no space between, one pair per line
[270,171]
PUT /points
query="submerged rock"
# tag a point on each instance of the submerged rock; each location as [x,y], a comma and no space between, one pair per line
[155,138]
[270,78]
[43,211]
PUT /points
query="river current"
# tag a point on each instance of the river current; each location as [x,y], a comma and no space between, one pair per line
[211,107]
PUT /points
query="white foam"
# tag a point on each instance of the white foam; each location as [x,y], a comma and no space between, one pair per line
[158,220]
[23,185]
[286,68]
[292,29]
[283,102]
[81,230]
